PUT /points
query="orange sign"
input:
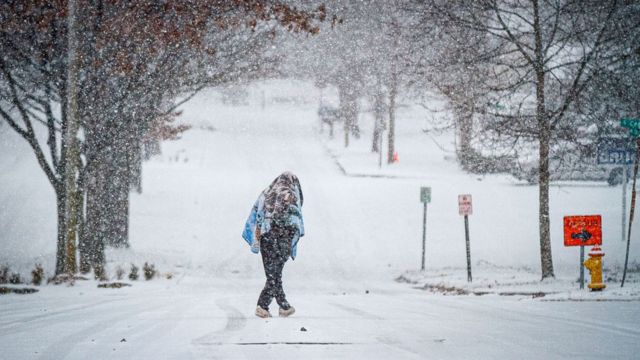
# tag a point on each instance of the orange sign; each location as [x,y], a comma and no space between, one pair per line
[582,230]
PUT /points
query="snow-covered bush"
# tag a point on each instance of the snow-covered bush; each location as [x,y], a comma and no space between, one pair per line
[133,275]
[119,273]
[149,271]
[37,274]
[4,274]
[100,273]
[15,278]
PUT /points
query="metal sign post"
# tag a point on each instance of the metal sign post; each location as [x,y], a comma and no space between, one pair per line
[582,231]
[465,208]
[625,183]
[425,198]
[618,151]
[466,235]
[634,129]
[631,210]
[581,267]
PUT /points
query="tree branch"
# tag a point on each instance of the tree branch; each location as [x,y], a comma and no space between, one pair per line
[29,132]
[575,88]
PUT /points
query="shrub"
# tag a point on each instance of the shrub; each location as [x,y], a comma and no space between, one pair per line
[149,271]
[100,273]
[4,274]
[119,273]
[133,275]
[37,274]
[15,278]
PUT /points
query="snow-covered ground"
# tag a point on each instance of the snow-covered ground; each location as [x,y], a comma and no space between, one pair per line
[364,230]
[211,318]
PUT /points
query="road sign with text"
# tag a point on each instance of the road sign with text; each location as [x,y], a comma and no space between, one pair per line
[616,151]
[425,194]
[465,207]
[582,230]
[633,125]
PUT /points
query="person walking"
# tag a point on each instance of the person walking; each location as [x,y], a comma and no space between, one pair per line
[273,228]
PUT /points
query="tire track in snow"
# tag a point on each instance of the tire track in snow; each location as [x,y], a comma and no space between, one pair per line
[236,321]
[358,312]
[64,346]
[398,345]
[6,328]
[138,336]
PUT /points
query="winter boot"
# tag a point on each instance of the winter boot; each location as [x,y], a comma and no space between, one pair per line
[288,312]
[260,312]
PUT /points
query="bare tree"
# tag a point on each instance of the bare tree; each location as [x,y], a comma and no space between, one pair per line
[543,55]
[135,59]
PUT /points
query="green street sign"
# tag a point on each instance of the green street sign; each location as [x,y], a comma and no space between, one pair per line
[633,125]
[425,194]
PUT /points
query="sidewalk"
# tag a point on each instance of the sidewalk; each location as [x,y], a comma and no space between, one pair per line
[489,279]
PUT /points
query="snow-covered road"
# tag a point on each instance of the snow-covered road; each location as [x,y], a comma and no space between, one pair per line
[204,318]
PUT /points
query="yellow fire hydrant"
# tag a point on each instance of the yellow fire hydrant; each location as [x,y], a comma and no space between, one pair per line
[594,265]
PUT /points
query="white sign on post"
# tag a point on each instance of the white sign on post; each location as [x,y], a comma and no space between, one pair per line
[464,205]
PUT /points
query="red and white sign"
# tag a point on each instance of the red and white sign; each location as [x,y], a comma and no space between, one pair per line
[582,230]
[464,205]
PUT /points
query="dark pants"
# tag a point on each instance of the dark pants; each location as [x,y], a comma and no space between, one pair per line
[275,247]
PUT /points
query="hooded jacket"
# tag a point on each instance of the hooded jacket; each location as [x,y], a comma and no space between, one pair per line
[279,203]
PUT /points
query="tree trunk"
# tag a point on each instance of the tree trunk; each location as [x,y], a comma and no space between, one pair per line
[349,111]
[72,153]
[94,234]
[353,114]
[116,199]
[464,117]
[393,91]
[61,203]
[377,133]
[120,215]
[545,236]
[544,129]
[344,113]
[378,121]
[392,119]
[136,166]
[73,209]
[60,248]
